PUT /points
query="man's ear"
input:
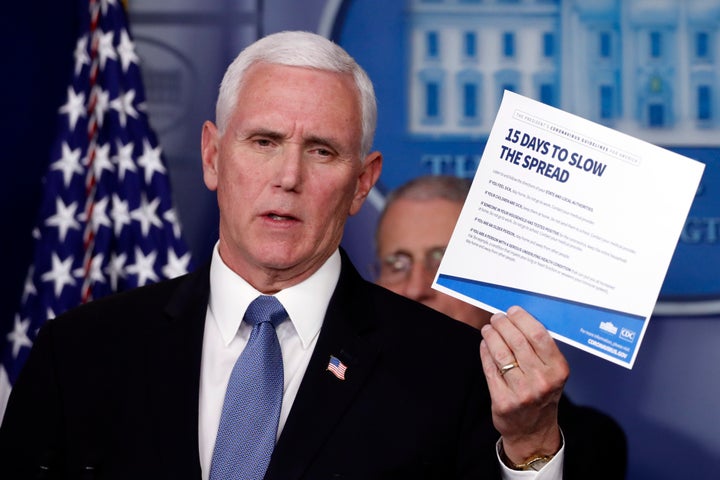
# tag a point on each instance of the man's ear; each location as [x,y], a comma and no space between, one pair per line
[210,151]
[366,181]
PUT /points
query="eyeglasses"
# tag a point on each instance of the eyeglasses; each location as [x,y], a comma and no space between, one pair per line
[396,267]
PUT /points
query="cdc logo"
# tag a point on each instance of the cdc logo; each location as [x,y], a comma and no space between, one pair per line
[627,334]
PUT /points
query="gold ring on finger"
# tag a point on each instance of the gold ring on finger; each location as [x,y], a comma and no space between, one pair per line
[506,368]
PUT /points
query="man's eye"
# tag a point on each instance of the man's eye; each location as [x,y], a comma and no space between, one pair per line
[323,152]
[263,142]
[397,267]
[398,263]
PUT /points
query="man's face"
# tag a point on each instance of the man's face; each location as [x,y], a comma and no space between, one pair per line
[287,172]
[411,238]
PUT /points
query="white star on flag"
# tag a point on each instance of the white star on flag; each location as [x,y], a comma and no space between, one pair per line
[123,104]
[102,160]
[96,272]
[106,49]
[146,215]
[176,266]
[171,217]
[102,104]
[68,163]
[151,161]
[60,274]
[124,159]
[126,50]
[99,216]
[64,218]
[81,56]
[74,108]
[29,286]
[120,214]
[19,336]
[144,267]
[116,269]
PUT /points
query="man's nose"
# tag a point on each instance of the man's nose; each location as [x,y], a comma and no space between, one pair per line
[290,162]
[417,285]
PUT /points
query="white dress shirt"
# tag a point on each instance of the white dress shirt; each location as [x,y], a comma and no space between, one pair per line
[226,335]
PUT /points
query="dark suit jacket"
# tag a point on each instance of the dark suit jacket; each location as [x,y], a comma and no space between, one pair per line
[110,391]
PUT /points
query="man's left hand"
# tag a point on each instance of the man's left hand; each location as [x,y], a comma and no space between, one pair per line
[526,373]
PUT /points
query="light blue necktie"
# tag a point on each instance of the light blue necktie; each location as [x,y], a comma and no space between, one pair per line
[251,410]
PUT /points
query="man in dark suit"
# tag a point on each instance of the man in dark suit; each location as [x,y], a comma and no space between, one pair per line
[374,385]
[413,231]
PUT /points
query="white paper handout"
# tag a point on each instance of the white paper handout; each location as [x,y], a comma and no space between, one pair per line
[573,221]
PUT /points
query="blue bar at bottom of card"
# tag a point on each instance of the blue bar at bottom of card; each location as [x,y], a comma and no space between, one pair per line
[616,334]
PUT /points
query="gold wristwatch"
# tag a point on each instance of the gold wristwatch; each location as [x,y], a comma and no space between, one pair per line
[536,462]
[533,463]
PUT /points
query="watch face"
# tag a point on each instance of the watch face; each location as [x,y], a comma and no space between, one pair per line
[537,463]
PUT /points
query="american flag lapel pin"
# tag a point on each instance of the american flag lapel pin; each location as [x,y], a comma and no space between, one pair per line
[336,367]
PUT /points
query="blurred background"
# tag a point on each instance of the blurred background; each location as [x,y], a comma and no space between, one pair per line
[647,68]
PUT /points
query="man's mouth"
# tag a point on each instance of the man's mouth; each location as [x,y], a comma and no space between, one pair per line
[278,217]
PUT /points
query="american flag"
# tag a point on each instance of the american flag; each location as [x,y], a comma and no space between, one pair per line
[106,222]
[337,367]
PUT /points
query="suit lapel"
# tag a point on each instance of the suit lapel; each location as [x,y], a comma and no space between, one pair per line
[347,334]
[173,361]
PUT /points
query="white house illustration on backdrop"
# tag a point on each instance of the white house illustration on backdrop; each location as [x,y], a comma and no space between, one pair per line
[644,67]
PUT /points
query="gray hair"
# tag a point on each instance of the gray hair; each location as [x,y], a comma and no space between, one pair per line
[430,187]
[427,187]
[299,49]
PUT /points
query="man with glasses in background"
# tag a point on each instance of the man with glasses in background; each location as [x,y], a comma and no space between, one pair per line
[413,231]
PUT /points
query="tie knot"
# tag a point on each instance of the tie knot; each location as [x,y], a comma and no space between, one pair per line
[265,308]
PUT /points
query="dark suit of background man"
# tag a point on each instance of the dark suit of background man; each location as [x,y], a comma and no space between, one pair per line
[131,387]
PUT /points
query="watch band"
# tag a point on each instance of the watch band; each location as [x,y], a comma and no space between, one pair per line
[536,462]
[533,463]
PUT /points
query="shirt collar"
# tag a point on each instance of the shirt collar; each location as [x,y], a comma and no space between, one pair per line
[305,303]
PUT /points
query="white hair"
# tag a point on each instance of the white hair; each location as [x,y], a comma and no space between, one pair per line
[299,49]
